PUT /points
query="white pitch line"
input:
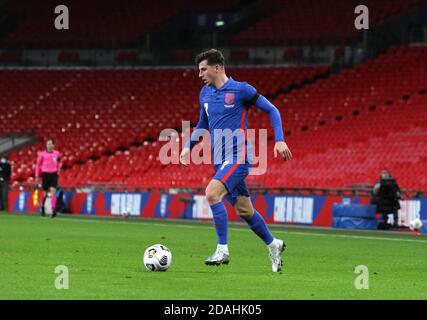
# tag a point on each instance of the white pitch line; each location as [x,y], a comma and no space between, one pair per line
[355,237]
[176,224]
[307,233]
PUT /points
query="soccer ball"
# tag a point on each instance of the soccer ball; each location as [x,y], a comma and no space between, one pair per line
[126,213]
[415,224]
[157,258]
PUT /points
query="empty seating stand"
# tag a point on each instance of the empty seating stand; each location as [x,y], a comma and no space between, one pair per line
[299,22]
[342,129]
[96,115]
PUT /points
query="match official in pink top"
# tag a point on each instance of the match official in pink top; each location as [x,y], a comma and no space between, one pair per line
[49,165]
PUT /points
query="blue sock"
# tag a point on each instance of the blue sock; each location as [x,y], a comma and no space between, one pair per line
[257,224]
[221,222]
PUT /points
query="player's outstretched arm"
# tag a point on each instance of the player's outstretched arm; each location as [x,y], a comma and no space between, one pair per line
[283,150]
[203,124]
[280,147]
[184,157]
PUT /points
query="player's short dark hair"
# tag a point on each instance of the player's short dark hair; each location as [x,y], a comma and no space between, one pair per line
[50,139]
[213,57]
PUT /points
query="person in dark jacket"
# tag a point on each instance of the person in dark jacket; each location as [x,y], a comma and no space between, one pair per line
[5,172]
[387,195]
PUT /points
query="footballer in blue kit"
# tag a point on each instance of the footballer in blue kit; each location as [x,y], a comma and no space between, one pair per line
[224,108]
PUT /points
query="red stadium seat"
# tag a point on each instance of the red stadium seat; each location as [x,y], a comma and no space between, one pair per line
[344,128]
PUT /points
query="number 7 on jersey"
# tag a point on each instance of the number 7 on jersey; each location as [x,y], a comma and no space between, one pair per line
[206,108]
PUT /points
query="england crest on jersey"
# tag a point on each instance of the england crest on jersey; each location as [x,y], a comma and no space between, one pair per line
[229,100]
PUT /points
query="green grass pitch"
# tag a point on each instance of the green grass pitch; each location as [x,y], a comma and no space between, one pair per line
[104,259]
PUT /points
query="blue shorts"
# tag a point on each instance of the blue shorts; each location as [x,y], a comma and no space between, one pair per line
[233,177]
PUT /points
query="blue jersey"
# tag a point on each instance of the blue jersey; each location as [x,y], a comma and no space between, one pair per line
[224,112]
